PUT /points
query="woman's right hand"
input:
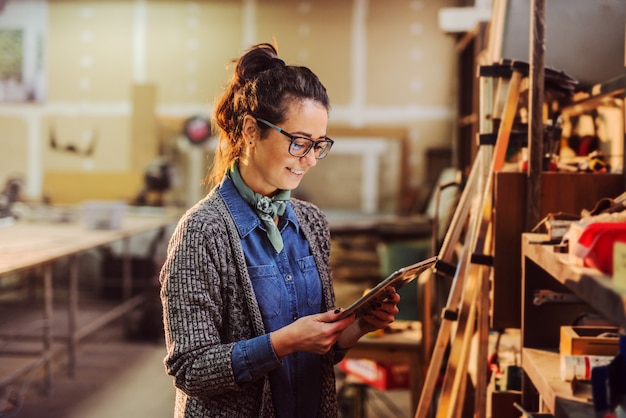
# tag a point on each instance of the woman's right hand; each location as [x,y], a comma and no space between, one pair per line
[313,333]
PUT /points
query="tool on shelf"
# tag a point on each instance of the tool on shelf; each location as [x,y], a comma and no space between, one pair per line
[542,296]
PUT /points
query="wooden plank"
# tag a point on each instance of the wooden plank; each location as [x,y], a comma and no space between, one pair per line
[469,275]
[482,325]
[446,253]
[452,395]
[473,299]
[506,125]
[535,123]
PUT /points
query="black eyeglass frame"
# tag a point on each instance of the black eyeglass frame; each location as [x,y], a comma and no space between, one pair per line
[312,144]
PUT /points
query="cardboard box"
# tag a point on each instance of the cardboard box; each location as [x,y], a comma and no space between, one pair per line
[379,375]
[589,340]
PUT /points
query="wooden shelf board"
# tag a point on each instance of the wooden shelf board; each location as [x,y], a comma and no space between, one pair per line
[543,369]
[589,284]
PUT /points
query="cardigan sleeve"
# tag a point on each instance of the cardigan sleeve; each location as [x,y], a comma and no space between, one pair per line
[192,281]
[254,358]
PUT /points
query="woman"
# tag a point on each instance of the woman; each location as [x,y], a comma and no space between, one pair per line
[249,316]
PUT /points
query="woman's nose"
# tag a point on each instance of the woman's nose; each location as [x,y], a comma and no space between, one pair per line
[310,158]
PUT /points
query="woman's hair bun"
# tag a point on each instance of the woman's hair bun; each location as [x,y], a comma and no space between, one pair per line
[257,59]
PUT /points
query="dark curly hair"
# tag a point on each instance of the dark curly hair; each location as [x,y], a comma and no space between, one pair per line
[262,86]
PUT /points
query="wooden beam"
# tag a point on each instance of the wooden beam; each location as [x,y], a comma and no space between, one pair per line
[536,98]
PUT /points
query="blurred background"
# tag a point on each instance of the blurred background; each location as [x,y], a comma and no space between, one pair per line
[109,103]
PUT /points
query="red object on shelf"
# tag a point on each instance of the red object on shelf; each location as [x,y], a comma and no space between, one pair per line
[379,375]
[594,245]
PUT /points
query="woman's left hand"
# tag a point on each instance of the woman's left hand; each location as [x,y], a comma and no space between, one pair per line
[379,317]
[382,315]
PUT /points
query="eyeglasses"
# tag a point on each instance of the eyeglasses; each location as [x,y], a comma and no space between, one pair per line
[300,145]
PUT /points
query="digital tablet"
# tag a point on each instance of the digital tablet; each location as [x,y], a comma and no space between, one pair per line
[396,280]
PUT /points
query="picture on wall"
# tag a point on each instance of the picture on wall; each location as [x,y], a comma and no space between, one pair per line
[22,40]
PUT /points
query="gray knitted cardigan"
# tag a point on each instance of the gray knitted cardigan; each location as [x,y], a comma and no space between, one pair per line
[209,305]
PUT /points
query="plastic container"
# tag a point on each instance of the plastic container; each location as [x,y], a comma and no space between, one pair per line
[592,245]
[579,367]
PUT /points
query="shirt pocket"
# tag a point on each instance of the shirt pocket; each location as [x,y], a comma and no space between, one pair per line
[312,281]
[268,289]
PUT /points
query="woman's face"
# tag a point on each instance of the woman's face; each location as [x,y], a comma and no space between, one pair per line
[268,166]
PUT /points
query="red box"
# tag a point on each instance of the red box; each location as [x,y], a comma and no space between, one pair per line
[379,375]
[594,244]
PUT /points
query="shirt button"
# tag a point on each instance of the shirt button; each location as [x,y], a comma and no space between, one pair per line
[294,317]
[288,277]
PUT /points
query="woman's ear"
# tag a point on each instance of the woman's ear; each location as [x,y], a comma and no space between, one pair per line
[250,129]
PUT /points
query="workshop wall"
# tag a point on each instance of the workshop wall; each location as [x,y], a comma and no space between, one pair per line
[385,63]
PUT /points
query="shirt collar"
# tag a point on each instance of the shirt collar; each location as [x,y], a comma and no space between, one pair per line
[244,216]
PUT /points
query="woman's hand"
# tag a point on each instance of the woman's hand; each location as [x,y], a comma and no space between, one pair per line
[380,317]
[313,333]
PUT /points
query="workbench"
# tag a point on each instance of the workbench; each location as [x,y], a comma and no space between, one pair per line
[36,245]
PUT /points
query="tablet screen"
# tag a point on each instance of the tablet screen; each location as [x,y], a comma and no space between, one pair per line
[396,280]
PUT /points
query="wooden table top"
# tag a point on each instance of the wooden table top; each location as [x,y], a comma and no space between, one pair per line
[27,244]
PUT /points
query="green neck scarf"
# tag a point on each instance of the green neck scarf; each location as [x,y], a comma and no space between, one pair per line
[266,207]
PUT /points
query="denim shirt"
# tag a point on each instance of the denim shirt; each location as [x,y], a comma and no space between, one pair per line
[287,287]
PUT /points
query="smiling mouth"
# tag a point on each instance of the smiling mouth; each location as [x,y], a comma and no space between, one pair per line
[297,172]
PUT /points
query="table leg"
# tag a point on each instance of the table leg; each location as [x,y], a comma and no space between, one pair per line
[72,316]
[126,278]
[360,400]
[126,270]
[47,327]
[416,376]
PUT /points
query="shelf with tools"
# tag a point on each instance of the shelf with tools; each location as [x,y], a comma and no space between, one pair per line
[590,285]
[546,269]
[603,104]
